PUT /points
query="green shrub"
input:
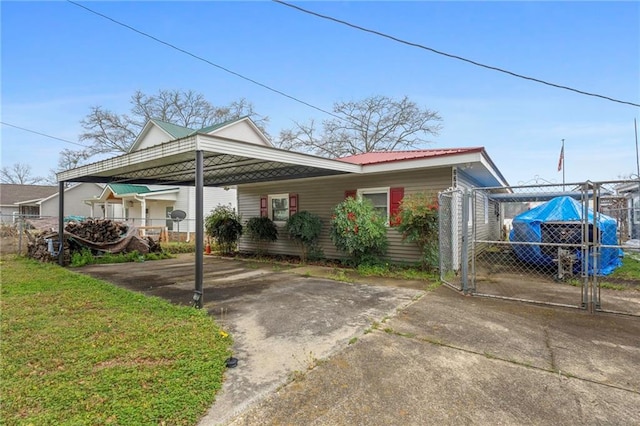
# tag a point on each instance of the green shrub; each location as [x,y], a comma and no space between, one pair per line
[262,231]
[359,231]
[417,221]
[82,258]
[304,228]
[223,225]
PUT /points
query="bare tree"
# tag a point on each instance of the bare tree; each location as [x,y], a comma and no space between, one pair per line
[113,133]
[19,174]
[373,124]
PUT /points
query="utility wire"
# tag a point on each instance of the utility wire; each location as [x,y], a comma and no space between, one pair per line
[4,123]
[420,46]
[200,58]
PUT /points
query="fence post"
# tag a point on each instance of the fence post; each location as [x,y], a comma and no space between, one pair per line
[20,230]
[465,242]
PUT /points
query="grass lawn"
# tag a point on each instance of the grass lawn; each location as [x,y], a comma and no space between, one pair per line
[76,350]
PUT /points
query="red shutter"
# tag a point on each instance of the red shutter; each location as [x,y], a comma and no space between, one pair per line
[350,193]
[264,208]
[396,195]
[293,204]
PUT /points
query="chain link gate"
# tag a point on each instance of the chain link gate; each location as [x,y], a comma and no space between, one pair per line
[552,244]
[453,271]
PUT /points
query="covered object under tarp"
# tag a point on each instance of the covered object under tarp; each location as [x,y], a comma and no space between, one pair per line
[560,221]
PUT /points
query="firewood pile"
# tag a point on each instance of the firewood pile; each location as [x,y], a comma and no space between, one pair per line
[97,230]
[45,248]
[97,235]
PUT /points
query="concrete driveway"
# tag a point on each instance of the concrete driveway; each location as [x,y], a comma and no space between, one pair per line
[282,322]
[306,355]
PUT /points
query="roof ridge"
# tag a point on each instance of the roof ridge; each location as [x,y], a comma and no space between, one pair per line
[219,125]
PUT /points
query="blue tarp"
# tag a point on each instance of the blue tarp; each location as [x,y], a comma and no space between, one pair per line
[527,227]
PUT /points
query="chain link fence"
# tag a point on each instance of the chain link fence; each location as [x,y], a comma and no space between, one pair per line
[451,238]
[17,229]
[570,245]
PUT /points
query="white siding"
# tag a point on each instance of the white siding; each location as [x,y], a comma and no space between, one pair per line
[483,212]
[154,136]
[73,201]
[7,213]
[213,196]
[241,131]
[321,195]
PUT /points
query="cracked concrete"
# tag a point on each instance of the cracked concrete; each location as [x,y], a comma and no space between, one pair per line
[306,358]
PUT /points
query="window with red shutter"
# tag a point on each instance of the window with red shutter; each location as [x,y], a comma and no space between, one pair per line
[278,207]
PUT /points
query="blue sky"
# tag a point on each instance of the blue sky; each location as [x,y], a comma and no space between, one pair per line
[59,60]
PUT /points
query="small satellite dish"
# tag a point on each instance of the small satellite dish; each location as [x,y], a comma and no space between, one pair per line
[177,215]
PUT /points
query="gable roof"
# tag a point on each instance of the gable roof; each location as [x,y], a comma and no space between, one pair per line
[214,127]
[393,156]
[173,130]
[13,193]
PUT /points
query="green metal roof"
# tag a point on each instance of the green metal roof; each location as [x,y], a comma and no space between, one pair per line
[125,188]
[213,127]
[174,130]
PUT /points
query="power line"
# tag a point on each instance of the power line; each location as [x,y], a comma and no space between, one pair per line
[420,46]
[200,58]
[4,123]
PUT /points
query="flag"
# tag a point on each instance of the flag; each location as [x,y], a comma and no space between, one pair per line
[561,160]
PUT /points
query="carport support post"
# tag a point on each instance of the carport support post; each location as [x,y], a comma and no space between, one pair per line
[61,223]
[197,296]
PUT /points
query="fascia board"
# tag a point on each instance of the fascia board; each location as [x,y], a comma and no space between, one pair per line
[495,173]
[266,153]
[161,192]
[424,163]
[25,202]
[132,161]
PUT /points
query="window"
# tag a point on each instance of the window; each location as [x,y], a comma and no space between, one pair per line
[278,207]
[636,210]
[379,197]
[386,201]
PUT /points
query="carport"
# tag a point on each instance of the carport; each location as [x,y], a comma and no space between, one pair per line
[201,160]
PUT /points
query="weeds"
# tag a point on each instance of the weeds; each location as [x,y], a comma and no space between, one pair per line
[340,275]
[86,257]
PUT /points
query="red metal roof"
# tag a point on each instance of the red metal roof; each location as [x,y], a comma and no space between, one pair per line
[392,156]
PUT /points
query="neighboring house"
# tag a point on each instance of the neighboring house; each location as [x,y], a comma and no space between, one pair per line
[22,200]
[385,179]
[74,200]
[151,205]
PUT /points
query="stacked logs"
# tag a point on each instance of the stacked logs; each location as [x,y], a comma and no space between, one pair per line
[97,230]
[96,233]
[45,248]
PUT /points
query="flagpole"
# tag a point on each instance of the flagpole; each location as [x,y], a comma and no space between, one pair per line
[635,126]
[563,165]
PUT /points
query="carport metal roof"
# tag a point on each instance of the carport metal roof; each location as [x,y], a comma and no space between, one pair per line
[225,162]
[201,160]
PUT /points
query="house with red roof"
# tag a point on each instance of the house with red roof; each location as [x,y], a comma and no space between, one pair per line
[385,178]
[277,183]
